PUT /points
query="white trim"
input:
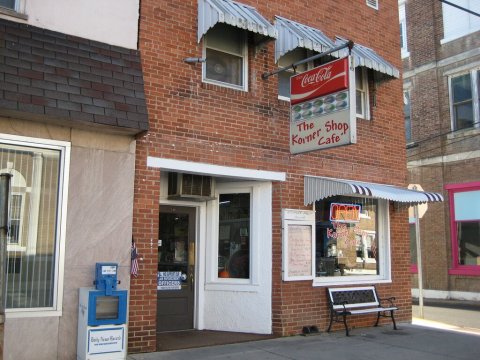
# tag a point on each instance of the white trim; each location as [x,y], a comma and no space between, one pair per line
[448,295]
[214,170]
[444,159]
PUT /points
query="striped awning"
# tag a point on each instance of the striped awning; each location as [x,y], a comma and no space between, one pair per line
[318,188]
[292,35]
[364,56]
[212,12]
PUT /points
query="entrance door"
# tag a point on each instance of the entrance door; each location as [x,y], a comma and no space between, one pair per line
[176,268]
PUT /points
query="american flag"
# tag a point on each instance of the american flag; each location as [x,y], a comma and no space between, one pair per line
[134,259]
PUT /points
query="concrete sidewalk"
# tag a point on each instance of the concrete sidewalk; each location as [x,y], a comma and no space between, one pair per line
[444,333]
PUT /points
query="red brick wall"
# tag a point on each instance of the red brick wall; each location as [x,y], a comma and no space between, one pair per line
[193,121]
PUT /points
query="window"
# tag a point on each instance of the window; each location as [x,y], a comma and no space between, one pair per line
[465,228]
[407,116]
[351,240]
[452,27]
[373,4]
[233,236]
[35,222]
[284,77]
[464,100]
[9,4]
[403,29]
[226,57]
[361,83]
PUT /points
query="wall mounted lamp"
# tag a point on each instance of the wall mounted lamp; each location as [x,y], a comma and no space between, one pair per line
[194,60]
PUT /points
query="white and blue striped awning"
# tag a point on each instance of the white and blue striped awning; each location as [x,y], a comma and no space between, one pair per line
[292,35]
[212,12]
[364,56]
[318,188]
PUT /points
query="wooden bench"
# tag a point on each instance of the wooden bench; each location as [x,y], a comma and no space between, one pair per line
[358,301]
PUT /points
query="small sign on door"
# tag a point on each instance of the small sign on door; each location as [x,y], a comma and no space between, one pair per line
[169,280]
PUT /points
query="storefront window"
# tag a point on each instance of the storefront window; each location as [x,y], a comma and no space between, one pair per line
[234,236]
[465,227]
[347,237]
[33,234]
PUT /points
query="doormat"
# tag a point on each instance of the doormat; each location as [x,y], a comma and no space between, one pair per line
[186,339]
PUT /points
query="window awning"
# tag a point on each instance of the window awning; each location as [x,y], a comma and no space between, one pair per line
[318,188]
[368,58]
[292,35]
[212,12]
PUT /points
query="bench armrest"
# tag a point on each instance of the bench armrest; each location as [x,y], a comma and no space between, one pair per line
[389,300]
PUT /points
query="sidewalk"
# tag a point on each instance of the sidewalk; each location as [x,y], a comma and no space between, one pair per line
[427,339]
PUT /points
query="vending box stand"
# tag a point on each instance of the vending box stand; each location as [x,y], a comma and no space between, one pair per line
[102,315]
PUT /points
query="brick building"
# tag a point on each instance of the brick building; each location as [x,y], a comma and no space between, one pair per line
[233,230]
[441,90]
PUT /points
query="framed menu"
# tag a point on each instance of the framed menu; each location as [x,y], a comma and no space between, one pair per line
[298,244]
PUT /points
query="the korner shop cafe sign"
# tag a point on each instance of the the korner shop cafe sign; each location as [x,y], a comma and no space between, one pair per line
[323,112]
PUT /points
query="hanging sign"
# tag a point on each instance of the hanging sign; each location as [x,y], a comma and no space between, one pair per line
[323,109]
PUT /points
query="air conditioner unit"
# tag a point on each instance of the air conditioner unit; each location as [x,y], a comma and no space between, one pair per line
[190,187]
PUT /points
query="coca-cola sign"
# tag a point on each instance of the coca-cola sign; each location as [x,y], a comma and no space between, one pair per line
[320,81]
[323,109]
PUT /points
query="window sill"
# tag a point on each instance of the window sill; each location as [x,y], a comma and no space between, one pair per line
[465,270]
[467,132]
[348,280]
[21,314]
[12,13]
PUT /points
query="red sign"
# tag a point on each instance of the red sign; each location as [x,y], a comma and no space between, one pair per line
[322,80]
[345,212]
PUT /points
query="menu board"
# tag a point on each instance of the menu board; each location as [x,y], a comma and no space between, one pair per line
[299,250]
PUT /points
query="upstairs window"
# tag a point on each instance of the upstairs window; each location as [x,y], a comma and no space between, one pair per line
[9,4]
[403,29]
[464,100]
[226,57]
[407,113]
[458,22]
[361,84]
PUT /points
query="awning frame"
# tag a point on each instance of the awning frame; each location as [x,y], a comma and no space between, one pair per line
[212,12]
[317,188]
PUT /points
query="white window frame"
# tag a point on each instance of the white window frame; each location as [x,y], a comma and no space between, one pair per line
[452,14]
[257,238]
[244,56]
[403,29]
[408,91]
[372,3]
[383,239]
[366,105]
[474,74]
[65,149]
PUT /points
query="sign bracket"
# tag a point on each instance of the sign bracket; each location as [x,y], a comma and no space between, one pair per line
[293,66]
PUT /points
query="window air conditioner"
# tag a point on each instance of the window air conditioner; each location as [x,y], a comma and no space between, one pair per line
[190,187]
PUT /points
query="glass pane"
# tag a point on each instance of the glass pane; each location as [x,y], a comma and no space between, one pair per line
[8,3]
[173,250]
[284,83]
[463,115]
[468,237]
[346,247]
[406,114]
[107,307]
[461,88]
[287,60]
[226,39]
[234,236]
[224,67]
[33,212]
[360,102]
[413,244]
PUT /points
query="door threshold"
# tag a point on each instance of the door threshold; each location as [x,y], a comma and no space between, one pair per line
[187,339]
